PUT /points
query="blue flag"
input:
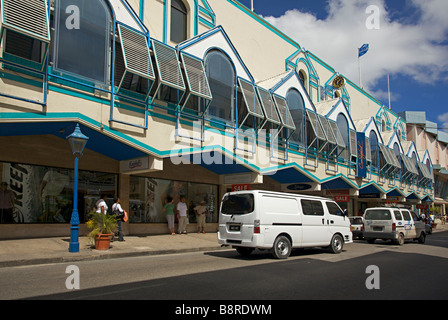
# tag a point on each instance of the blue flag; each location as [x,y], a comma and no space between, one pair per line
[363,50]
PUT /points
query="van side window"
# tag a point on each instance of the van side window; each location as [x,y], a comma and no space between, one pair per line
[414,216]
[334,209]
[406,215]
[312,208]
[398,215]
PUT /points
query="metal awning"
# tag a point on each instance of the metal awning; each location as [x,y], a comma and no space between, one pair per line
[368,150]
[170,74]
[29,18]
[410,170]
[136,56]
[318,131]
[353,146]
[425,172]
[251,102]
[198,85]
[391,162]
[328,130]
[283,112]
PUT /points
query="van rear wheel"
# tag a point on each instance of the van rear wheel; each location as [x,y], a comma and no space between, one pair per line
[282,248]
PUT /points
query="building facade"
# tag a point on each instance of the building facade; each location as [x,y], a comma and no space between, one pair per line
[183,98]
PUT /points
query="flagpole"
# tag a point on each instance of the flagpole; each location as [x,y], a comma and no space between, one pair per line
[388,88]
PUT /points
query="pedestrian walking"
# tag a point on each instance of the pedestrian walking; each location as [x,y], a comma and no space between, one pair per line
[120,213]
[182,211]
[168,208]
[101,205]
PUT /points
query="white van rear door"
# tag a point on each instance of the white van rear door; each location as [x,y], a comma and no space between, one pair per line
[315,229]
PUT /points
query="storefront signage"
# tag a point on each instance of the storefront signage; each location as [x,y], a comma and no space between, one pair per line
[422,206]
[240,187]
[342,198]
[369,196]
[299,187]
[361,170]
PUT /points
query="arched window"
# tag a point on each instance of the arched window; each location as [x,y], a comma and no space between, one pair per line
[342,123]
[397,150]
[82,39]
[178,25]
[221,77]
[297,108]
[374,149]
[302,76]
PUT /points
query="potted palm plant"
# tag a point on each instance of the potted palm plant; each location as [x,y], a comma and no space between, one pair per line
[102,228]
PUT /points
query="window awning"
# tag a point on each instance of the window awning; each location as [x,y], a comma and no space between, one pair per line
[425,172]
[283,112]
[169,72]
[198,85]
[252,104]
[339,139]
[391,162]
[136,56]
[410,171]
[28,18]
[331,137]
[318,131]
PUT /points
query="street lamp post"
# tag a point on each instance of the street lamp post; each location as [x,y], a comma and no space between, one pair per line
[77,141]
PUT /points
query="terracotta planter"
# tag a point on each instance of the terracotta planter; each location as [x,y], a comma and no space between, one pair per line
[102,241]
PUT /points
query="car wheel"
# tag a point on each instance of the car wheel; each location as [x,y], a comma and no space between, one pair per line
[337,243]
[400,239]
[422,238]
[282,248]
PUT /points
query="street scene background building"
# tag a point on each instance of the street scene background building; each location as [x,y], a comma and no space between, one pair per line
[190,98]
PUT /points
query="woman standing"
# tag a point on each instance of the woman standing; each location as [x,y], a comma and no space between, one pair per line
[169,211]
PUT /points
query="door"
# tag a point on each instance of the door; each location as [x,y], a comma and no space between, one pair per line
[336,221]
[418,224]
[315,228]
[408,225]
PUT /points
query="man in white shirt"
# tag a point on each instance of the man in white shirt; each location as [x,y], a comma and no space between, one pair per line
[182,213]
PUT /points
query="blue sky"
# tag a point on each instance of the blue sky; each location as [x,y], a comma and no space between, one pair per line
[411,45]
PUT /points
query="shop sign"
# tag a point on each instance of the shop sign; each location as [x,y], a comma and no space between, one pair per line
[342,198]
[240,187]
[422,206]
[392,200]
[361,164]
[369,196]
[299,187]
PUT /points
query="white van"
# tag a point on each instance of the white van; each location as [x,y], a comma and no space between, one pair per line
[281,222]
[393,224]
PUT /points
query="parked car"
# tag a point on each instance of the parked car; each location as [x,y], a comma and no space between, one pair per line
[394,224]
[357,227]
[279,222]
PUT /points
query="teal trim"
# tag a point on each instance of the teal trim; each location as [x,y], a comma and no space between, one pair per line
[141,11]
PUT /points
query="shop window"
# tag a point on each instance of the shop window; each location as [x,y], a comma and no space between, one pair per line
[297,108]
[45,194]
[83,49]
[221,77]
[342,123]
[178,25]
[148,196]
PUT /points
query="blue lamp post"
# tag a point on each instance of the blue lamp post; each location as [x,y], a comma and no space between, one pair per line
[77,141]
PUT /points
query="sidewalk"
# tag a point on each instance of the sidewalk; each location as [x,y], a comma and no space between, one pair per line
[55,250]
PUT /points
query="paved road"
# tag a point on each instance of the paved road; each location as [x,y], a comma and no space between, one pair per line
[413,271]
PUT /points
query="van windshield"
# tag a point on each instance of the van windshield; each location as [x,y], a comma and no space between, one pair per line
[238,204]
[378,215]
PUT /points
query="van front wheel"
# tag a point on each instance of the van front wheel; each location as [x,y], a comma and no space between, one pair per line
[282,248]
[337,243]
